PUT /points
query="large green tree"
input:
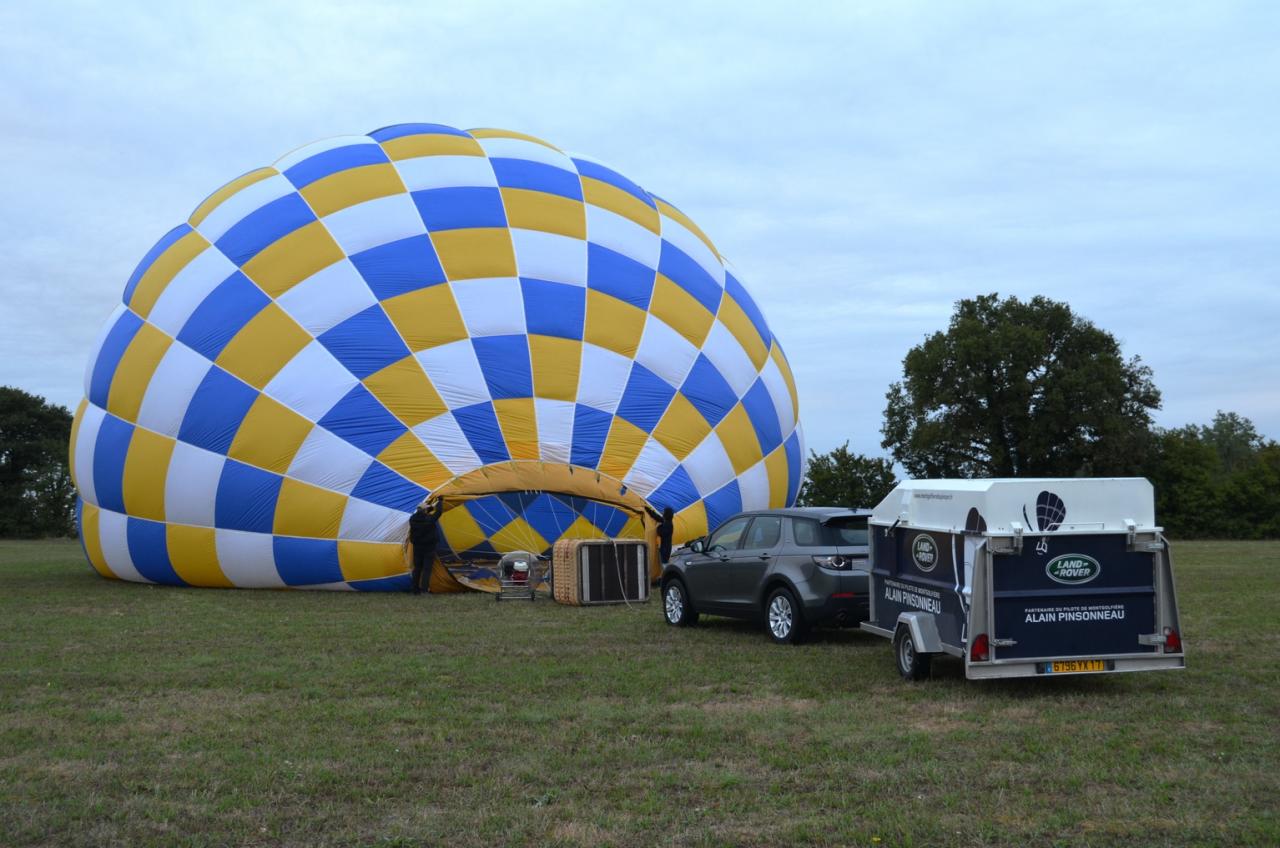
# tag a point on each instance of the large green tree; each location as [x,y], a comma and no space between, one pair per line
[36,494]
[1015,388]
[845,478]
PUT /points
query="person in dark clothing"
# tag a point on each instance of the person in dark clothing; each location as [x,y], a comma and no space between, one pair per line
[665,528]
[424,533]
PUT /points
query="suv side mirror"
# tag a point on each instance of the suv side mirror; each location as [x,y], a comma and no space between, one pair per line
[698,546]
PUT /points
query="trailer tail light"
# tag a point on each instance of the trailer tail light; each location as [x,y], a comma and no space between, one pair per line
[1172,641]
[980,650]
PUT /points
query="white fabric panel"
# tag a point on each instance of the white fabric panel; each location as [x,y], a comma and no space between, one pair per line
[448,443]
[603,378]
[96,347]
[329,461]
[375,222]
[191,488]
[248,559]
[426,172]
[373,523]
[708,465]
[653,465]
[622,235]
[777,386]
[518,148]
[547,256]
[305,152]
[328,297]
[86,443]
[113,528]
[312,382]
[188,289]
[169,393]
[754,486]
[455,372]
[665,352]
[555,429]
[248,199]
[492,306]
[729,358]
[676,233]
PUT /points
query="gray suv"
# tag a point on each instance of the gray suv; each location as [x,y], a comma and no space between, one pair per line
[791,568]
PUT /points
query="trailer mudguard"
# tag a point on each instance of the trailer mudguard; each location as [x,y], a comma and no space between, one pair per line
[924,631]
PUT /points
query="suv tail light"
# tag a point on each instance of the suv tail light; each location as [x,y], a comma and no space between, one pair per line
[1172,641]
[836,562]
[980,650]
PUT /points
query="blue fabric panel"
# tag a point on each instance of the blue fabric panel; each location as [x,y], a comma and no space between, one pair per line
[549,516]
[539,176]
[554,309]
[613,178]
[794,461]
[304,561]
[479,424]
[457,208]
[109,453]
[484,550]
[677,266]
[246,498]
[505,363]
[609,519]
[489,513]
[743,298]
[113,347]
[216,410]
[366,342]
[222,314]
[396,583]
[645,398]
[264,226]
[332,161]
[363,421]
[385,487]
[400,130]
[149,550]
[399,266]
[621,276]
[590,430]
[723,504]
[763,415]
[153,254]
[677,491]
[708,391]
[516,502]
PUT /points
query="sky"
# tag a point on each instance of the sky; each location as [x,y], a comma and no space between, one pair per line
[862,165]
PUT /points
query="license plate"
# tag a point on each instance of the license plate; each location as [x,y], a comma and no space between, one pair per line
[1067,666]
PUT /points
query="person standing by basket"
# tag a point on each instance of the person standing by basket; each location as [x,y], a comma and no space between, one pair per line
[424,534]
[665,529]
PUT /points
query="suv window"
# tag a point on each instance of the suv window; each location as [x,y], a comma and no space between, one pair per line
[806,532]
[764,533]
[837,533]
[729,534]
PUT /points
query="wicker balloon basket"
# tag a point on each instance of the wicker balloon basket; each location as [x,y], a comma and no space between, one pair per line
[599,571]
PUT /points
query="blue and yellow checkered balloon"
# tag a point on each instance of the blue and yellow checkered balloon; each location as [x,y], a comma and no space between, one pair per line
[326,342]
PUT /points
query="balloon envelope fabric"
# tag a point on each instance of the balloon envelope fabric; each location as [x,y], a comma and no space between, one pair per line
[327,342]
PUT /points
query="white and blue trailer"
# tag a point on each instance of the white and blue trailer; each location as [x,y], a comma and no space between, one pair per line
[1024,577]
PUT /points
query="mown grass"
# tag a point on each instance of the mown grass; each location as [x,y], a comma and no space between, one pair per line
[132,715]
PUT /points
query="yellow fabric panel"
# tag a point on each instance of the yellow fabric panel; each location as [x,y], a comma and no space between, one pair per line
[164,269]
[555,363]
[475,253]
[306,510]
[689,523]
[633,529]
[739,439]
[407,455]
[780,360]
[519,425]
[263,346]
[776,464]
[549,213]
[370,560]
[145,467]
[75,434]
[431,144]
[620,202]
[491,132]
[674,213]
[613,324]
[292,258]
[461,530]
[193,553]
[581,528]
[133,373]
[89,534]
[682,427]
[426,317]
[404,389]
[681,310]
[237,185]
[540,476]
[732,316]
[621,448]
[519,536]
[269,436]
[354,185]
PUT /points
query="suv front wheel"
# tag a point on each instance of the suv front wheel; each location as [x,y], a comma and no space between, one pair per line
[675,605]
[783,618]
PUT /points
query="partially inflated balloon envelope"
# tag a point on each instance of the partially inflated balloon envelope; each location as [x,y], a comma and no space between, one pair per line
[423,313]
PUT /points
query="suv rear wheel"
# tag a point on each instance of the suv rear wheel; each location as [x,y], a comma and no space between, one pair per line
[783,617]
[675,605]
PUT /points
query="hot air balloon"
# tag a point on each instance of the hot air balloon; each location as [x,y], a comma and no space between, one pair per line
[423,313]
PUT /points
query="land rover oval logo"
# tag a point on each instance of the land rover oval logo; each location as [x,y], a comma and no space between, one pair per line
[1072,569]
[924,552]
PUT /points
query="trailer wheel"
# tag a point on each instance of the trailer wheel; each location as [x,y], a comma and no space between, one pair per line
[912,665]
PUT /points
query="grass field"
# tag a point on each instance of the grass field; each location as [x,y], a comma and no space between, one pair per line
[134,715]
